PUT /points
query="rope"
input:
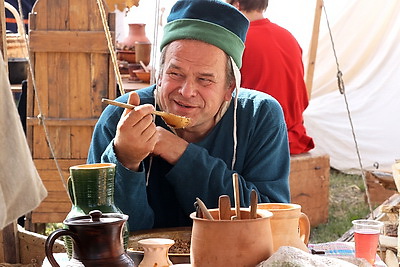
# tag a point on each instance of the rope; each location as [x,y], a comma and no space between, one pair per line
[342,90]
[41,117]
[110,45]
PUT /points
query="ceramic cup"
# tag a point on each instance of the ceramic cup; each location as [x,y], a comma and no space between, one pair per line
[289,226]
[241,242]
[156,252]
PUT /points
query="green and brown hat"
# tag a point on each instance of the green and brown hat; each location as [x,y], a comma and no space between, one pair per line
[211,21]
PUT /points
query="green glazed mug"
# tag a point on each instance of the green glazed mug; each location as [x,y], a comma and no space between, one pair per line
[91,187]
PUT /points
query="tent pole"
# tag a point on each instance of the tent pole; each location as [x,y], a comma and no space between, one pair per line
[313,47]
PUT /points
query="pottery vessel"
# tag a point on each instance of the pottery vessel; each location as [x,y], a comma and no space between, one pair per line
[137,33]
[156,252]
[242,242]
[289,226]
[97,240]
[91,187]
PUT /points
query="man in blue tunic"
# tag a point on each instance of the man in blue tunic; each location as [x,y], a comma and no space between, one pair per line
[161,170]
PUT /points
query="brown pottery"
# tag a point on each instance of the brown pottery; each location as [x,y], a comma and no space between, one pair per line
[97,240]
[241,242]
[289,226]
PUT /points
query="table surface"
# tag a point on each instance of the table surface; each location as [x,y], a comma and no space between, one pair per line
[333,249]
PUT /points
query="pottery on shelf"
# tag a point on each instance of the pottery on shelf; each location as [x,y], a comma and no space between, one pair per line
[137,33]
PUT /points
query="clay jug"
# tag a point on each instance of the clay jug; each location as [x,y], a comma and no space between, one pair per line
[137,33]
[242,242]
[289,226]
[97,240]
[91,187]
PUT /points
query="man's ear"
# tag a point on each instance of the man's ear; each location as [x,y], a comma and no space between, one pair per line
[231,88]
[236,4]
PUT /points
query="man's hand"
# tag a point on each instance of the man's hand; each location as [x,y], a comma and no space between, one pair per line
[169,146]
[136,134]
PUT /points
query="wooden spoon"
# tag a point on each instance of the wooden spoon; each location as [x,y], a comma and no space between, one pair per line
[236,194]
[172,120]
[224,204]
[204,209]
[253,204]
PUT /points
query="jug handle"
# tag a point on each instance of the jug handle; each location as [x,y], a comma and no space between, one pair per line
[70,190]
[304,226]
[50,243]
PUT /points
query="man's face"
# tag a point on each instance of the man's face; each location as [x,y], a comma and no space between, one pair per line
[193,82]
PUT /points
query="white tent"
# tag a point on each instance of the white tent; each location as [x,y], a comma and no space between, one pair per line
[366,37]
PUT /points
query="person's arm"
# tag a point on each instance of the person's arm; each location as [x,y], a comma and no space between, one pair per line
[262,163]
[130,186]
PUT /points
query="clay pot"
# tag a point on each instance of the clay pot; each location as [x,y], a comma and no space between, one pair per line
[290,226]
[244,242]
[156,252]
[143,52]
[91,187]
[137,33]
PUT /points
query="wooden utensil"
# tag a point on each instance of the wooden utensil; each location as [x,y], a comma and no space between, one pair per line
[204,209]
[224,204]
[253,204]
[172,120]
[236,194]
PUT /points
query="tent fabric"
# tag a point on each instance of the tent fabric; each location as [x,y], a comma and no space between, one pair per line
[21,189]
[366,39]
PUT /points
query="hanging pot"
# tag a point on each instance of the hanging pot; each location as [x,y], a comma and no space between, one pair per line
[17,70]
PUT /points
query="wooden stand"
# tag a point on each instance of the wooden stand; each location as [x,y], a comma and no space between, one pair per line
[309,185]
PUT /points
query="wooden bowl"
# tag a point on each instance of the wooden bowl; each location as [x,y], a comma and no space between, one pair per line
[142,75]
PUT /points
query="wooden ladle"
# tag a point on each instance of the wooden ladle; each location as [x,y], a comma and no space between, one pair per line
[175,121]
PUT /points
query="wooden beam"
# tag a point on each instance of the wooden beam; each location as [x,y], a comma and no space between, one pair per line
[9,243]
[313,47]
[3,43]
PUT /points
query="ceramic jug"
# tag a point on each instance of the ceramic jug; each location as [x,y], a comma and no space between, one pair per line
[137,33]
[289,226]
[242,242]
[97,240]
[91,187]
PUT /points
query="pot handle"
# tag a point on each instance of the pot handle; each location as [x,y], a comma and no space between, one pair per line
[70,190]
[304,227]
[50,243]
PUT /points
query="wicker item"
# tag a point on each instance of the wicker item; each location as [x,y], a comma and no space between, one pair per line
[16,43]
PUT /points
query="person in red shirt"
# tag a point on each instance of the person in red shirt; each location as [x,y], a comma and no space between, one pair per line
[272,63]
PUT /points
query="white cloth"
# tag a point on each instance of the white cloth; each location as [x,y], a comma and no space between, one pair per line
[21,189]
[290,256]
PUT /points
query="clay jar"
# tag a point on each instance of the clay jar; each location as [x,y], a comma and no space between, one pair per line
[289,226]
[244,242]
[91,187]
[137,33]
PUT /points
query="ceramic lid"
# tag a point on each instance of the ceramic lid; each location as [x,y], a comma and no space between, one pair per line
[96,217]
